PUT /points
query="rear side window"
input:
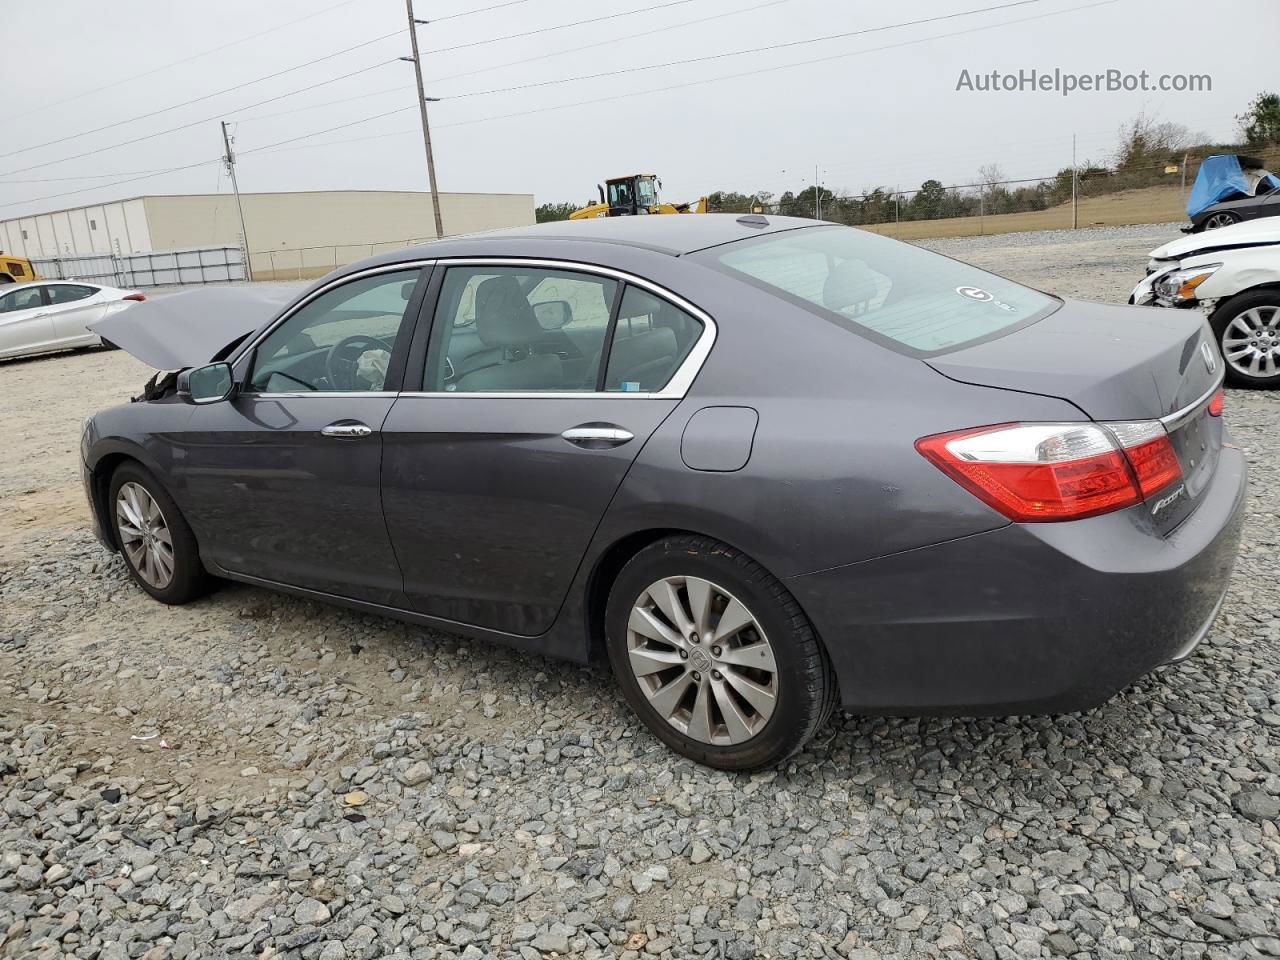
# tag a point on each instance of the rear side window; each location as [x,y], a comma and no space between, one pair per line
[898,294]
[69,292]
[650,342]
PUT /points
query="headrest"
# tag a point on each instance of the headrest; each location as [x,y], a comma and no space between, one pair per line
[848,284]
[504,316]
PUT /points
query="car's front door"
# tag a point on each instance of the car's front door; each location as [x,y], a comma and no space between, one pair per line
[281,481]
[24,320]
[534,400]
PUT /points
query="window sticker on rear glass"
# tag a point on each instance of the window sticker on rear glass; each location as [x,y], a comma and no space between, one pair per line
[982,296]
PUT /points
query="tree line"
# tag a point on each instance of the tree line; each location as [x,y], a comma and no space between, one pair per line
[1149,150]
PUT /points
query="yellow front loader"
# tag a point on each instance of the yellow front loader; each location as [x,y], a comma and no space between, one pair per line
[634,195]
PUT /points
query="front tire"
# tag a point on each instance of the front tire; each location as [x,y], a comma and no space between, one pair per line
[715,656]
[1248,330]
[158,547]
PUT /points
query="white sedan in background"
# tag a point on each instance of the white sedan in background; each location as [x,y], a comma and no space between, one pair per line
[54,314]
[1233,275]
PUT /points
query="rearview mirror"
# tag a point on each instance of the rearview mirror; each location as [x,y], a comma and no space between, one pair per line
[208,384]
[553,314]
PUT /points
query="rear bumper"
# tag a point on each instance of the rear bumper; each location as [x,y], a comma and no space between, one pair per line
[1027,619]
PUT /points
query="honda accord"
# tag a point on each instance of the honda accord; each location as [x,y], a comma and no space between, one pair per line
[766,466]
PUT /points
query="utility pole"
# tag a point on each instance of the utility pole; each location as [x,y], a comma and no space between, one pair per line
[422,106]
[1075,209]
[230,160]
[817,195]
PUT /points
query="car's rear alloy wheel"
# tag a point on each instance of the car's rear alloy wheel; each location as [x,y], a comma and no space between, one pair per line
[702,659]
[715,655]
[1221,220]
[1248,329]
[158,546]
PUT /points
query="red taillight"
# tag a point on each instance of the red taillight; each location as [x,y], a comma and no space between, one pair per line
[134,296]
[1057,471]
[1215,403]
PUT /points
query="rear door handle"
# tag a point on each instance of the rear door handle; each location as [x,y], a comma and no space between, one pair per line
[597,436]
[346,431]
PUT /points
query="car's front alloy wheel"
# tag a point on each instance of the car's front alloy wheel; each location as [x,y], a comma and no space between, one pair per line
[715,656]
[158,546]
[1221,220]
[1248,330]
[144,535]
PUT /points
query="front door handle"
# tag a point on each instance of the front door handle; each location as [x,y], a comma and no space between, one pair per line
[346,431]
[598,436]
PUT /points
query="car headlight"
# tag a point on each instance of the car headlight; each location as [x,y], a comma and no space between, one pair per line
[1180,285]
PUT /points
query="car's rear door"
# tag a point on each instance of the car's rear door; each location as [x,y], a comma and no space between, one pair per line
[24,320]
[495,477]
[72,306]
[281,482]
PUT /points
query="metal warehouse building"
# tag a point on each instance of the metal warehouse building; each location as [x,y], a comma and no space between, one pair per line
[290,234]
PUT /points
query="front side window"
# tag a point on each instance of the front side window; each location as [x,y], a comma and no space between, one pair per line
[897,293]
[26,298]
[342,341]
[69,292]
[519,329]
[651,340]
[620,194]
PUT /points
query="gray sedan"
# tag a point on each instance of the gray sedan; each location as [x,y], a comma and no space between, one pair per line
[766,466]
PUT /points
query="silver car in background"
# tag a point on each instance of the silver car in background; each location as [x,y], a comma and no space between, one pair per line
[55,314]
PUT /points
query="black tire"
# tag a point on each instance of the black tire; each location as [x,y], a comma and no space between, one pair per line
[189,579]
[107,344]
[1219,220]
[1220,321]
[805,682]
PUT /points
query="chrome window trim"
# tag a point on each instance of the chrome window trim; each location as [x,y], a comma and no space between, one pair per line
[675,389]
[251,345]
[1176,419]
[319,393]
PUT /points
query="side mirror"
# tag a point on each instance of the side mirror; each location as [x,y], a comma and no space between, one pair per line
[553,314]
[208,384]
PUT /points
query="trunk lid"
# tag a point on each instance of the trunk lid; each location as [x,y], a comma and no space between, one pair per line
[1116,363]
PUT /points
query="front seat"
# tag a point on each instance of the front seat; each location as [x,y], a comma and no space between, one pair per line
[505,321]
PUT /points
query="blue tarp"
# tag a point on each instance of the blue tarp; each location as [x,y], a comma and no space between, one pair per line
[1219,178]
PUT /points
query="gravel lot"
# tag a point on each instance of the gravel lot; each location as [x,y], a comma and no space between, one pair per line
[255,775]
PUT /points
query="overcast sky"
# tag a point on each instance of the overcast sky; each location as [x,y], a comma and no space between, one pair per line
[866,116]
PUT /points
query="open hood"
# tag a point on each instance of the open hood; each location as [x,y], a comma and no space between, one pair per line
[179,330]
[1252,233]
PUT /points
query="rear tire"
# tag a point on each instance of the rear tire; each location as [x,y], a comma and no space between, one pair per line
[747,686]
[157,545]
[1247,327]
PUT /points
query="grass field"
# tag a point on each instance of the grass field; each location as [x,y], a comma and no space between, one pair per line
[1147,205]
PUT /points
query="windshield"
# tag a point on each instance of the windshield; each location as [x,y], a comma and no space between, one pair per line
[646,193]
[896,293]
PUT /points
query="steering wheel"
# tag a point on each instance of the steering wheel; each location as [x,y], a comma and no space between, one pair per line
[340,363]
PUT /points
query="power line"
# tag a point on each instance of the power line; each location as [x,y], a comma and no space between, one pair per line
[83,176]
[670,87]
[776,67]
[512,63]
[559,26]
[740,53]
[467,13]
[175,63]
[104,186]
[194,123]
[207,96]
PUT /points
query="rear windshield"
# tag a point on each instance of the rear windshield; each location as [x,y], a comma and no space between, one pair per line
[899,294]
